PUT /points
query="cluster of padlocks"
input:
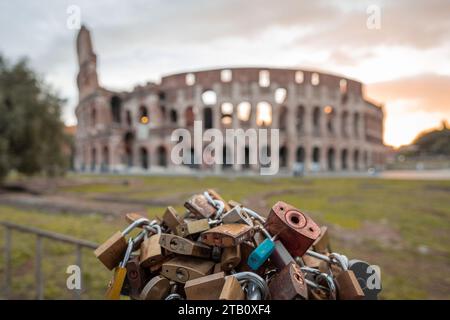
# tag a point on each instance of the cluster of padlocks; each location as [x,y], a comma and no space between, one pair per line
[223,250]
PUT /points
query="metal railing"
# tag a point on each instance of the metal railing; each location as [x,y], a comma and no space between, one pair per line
[40,234]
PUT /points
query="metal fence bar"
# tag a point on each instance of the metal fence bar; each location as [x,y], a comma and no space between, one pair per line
[7,280]
[38,271]
[40,235]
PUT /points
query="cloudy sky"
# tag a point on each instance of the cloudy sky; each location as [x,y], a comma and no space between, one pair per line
[405,63]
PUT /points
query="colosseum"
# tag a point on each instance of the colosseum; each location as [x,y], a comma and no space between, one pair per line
[324,121]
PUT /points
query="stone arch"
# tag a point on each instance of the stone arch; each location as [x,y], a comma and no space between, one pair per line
[356,124]
[283,157]
[316,155]
[283,117]
[144,159]
[344,124]
[344,159]
[246,164]
[300,155]
[105,159]
[189,116]
[316,120]
[93,158]
[263,114]
[116,109]
[207,118]
[331,159]
[356,159]
[162,156]
[300,117]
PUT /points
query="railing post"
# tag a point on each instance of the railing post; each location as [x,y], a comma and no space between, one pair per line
[39,279]
[7,280]
[79,252]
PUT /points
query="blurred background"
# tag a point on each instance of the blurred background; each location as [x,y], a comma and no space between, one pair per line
[395,214]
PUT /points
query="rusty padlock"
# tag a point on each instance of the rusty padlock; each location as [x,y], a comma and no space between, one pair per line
[289,284]
[171,219]
[295,229]
[322,243]
[191,227]
[232,290]
[205,288]
[111,252]
[200,206]
[280,256]
[348,287]
[182,268]
[156,289]
[179,245]
[151,252]
[136,277]
[231,257]
[227,235]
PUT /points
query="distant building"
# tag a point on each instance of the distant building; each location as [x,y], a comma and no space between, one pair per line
[324,120]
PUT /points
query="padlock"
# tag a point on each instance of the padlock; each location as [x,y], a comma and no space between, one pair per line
[151,251]
[296,230]
[200,206]
[171,219]
[280,256]
[289,284]
[205,288]
[313,262]
[136,277]
[111,252]
[120,273]
[365,273]
[262,252]
[179,245]
[156,289]
[246,249]
[231,257]
[216,254]
[232,290]
[182,269]
[233,204]
[133,216]
[191,227]
[348,287]
[227,235]
[217,196]
[236,215]
[322,243]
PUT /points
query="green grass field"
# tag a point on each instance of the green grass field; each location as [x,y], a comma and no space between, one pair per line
[402,226]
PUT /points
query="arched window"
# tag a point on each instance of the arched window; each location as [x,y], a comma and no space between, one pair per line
[128,141]
[300,155]
[283,157]
[330,159]
[356,124]
[246,164]
[344,124]
[300,119]
[162,156]
[282,121]
[105,159]
[173,116]
[144,158]
[244,110]
[329,114]
[93,159]
[116,109]
[316,155]
[93,117]
[263,114]
[280,95]
[226,110]
[207,118]
[143,115]
[356,159]
[316,121]
[344,159]
[189,116]
[209,98]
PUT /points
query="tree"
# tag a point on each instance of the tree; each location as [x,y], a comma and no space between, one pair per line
[436,142]
[31,130]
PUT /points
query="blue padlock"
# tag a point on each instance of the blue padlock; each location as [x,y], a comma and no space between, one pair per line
[260,254]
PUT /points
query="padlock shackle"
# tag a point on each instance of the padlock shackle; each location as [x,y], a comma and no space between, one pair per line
[254,214]
[123,263]
[135,224]
[256,279]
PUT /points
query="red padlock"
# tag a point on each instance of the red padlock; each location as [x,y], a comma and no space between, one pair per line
[295,230]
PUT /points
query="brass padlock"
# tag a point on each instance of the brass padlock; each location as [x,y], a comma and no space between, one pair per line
[295,229]
[289,284]
[111,252]
[199,205]
[217,196]
[348,287]
[182,269]
[190,227]
[280,256]
[136,277]
[232,290]
[179,245]
[133,216]
[205,288]
[322,243]
[156,289]
[151,251]
[231,257]
[227,235]
[171,219]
